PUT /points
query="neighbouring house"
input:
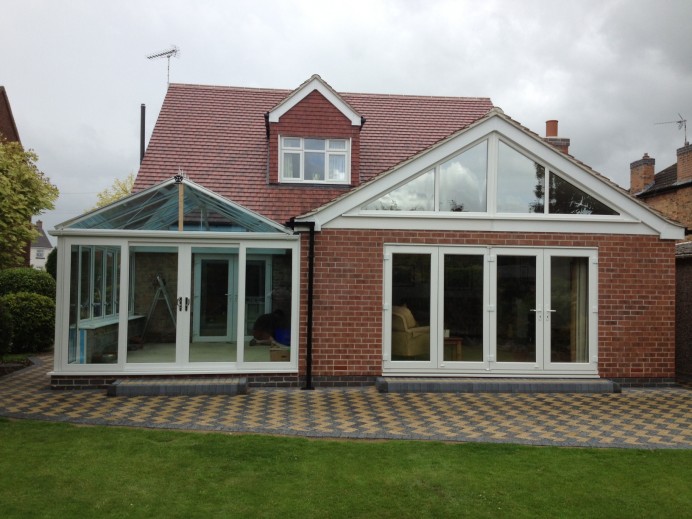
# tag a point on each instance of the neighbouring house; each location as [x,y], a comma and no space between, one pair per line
[683,312]
[8,128]
[40,248]
[8,131]
[670,192]
[319,237]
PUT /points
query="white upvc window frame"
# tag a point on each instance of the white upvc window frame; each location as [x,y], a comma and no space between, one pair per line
[301,149]
[492,179]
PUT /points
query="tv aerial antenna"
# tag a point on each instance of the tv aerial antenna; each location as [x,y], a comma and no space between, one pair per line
[682,125]
[173,52]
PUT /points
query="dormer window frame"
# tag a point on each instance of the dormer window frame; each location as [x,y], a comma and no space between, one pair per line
[305,150]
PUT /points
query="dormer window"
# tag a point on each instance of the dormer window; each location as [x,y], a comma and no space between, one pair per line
[318,161]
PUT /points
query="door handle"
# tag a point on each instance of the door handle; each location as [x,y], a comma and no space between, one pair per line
[187,303]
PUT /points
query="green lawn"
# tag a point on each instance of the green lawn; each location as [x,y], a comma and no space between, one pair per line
[61,470]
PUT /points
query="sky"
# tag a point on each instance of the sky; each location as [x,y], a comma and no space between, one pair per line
[76,71]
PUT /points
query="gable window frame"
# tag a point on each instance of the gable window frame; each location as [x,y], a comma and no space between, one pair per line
[305,150]
[493,141]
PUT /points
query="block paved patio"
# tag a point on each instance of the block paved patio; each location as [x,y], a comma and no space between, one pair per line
[635,418]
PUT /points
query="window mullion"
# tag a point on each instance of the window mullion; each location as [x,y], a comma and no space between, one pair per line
[491,174]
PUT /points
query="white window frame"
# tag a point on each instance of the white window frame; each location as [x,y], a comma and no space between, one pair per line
[491,192]
[328,152]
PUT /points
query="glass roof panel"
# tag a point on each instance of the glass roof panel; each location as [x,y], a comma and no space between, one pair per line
[157,209]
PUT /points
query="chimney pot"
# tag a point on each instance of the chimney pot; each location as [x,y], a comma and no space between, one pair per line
[551,137]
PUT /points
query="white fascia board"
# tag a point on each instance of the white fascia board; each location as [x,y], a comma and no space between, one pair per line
[434,222]
[172,235]
[331,96]
[631,211]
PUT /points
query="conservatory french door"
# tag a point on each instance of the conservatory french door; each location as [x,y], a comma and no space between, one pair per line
[490,310]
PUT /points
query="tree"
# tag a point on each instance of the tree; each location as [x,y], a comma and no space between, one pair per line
[119,189]
[24,192]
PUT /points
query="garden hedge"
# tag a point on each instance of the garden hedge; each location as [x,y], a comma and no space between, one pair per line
[6,329]
[25,279]
[33,321]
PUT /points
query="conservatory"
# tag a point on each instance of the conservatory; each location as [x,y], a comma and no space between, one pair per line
[175,280]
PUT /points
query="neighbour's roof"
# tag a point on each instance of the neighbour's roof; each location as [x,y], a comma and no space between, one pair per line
[663,180]
[684,250]
[217,136]
[41,241]
[8,128]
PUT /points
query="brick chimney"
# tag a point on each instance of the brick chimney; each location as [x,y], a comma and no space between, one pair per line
[685,163]
[642,174]
[551,137]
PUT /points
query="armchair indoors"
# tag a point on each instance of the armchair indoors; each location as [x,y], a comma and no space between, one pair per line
[408,339]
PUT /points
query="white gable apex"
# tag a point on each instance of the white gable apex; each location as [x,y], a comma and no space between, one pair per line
[634,217]
[312,84]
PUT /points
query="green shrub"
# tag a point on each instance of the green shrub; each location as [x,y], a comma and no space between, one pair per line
[24,279]
[33,321]
[52,263]
[5,329]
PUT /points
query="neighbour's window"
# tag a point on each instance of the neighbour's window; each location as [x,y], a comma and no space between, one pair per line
[39,254]
[315,160]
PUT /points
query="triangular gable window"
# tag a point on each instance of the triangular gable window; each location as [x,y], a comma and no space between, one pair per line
[416,195]
[159,208]
[460,184]
[565,198]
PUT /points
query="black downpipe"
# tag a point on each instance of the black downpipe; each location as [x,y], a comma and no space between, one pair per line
[143,111]
[311,284]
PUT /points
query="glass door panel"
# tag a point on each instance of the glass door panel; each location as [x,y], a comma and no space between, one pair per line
[516,309]
[213,297]
[213,318]
[463,321]
[153,294]
[567,316]
[410,316]
[268,316]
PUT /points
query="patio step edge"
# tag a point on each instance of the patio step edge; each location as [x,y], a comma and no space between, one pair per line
[494,385]
[178,387]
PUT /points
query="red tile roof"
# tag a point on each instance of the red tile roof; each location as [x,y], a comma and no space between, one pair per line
[217,136]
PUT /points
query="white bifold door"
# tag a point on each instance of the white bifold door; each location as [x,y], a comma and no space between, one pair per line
[490,310]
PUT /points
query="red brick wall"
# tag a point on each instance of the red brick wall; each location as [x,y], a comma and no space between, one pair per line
[636,276]
[314,117]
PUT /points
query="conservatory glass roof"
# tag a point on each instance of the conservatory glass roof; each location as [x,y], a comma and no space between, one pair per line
[159,208]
